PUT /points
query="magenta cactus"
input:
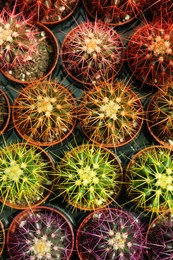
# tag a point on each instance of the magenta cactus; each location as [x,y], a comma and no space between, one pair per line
[110,234]
[91,52]
[160,237]
[43,233]
[18,41]
[150,51]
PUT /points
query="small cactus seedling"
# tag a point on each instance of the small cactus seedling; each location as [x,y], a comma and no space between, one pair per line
[111,114]
[48,11]
[160,115]
[149,178]
[43,233]
[149,52]
[44,113]
[26,175]
[91,51]
[110,234]
[114,12]
[4,111]
[89,177]
[160,237]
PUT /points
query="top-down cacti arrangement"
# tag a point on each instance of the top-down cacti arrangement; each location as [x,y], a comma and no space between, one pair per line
[86,129]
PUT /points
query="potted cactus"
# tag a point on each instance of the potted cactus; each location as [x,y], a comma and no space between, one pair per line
[91,51]
[48,12]
[4,111]
[110,233]
[159,237]
[160,115]
[111,113]
[44,113]
[88,177]
[27,51]
[26,175]
[149,52]
[2,238]
[114,12]
[40,233]
[149,179]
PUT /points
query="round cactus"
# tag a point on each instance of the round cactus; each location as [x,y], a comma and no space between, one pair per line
[110,234]
[111,114]
[149,179]
[92,51]
[89,177]
[43,233]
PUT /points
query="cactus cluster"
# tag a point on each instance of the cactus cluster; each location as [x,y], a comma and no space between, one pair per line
[89,177]
[26,175]
[150,179]
[42,233]
[44,112]
[92,51]
[111,113]
[160,115]
[110,234]
[4,111]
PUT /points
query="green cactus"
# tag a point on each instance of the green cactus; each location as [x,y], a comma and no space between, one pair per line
[89,177]
[26,175]
[149,178]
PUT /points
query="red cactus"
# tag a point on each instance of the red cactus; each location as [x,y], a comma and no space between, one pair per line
[17,39]
[149,52]
[48,11]
[115,11]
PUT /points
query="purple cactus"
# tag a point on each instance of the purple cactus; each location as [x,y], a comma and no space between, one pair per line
[43,233]
[160,237]
[110,234]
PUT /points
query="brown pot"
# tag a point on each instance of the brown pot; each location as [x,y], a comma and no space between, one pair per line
[112,13]
[51,37]
[112,198]
[67,232]
[47,189]
[88,76]
[8,111]
[22,108]
[2,238]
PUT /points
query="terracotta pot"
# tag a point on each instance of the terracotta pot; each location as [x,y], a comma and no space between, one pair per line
[2,238]
[21,110]
[82,71]
[159,237]
[112,12]
[96,236]
[41,221]
[102,134]
[47,188]
[156,126]
[148,63]
[51,37]
[149,179]
[81,203]
[8,112]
